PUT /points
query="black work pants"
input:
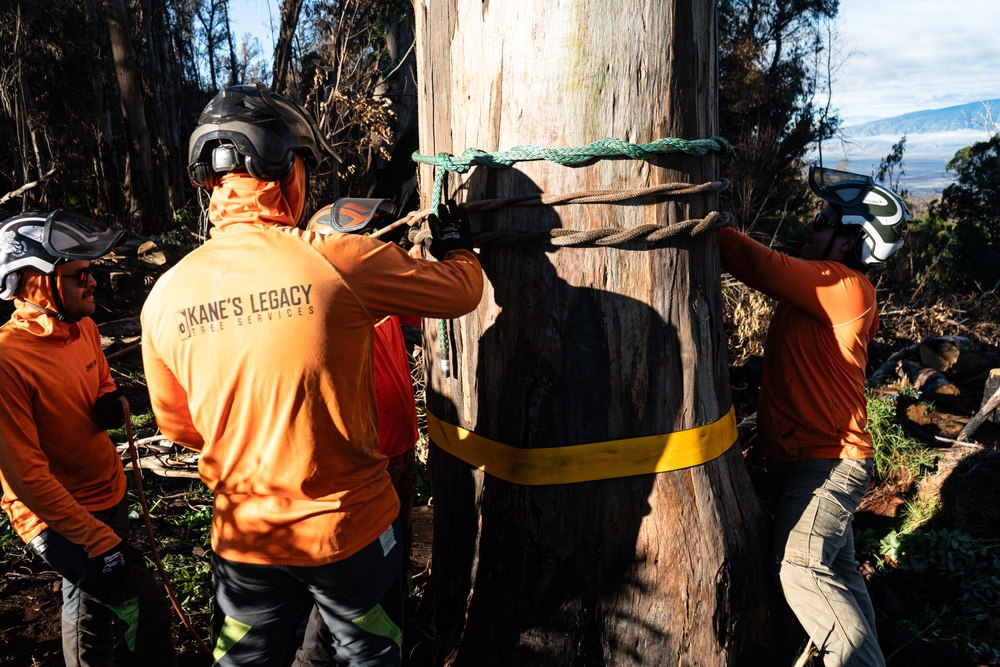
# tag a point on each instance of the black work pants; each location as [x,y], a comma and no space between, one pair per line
[88,625]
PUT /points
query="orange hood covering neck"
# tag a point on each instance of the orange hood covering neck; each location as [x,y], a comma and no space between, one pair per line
[241,198]
[35,293]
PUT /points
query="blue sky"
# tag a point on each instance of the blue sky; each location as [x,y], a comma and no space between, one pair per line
[910,55]
[896,56]
[256,17]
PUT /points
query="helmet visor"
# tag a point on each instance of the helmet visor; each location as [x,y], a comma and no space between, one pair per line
[70,236]
[840,188]
[353,216]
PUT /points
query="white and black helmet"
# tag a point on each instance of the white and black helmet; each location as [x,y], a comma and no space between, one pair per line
[42,241]
[249,127]
[879,213]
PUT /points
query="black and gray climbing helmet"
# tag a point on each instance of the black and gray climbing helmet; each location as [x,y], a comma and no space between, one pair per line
[42,241]
[249,127]
[879,213]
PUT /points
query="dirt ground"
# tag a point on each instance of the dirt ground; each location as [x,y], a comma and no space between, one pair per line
[31,598]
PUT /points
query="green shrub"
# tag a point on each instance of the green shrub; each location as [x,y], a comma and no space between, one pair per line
[955,561]
[897,455]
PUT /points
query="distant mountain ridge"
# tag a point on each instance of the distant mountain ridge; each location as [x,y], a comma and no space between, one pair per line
[932,138]
[948,119]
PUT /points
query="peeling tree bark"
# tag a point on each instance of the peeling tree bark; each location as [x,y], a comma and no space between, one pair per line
[575,346]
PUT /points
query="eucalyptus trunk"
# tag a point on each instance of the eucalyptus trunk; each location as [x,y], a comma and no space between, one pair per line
[290,10]
[584,345]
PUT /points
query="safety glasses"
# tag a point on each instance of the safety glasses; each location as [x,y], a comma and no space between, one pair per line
[82,276]
[821,221]
[351,215]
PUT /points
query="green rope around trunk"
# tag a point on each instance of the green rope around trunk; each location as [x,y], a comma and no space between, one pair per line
[577,156]
[568,157]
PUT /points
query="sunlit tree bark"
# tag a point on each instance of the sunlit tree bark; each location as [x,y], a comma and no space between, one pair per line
[290,10]
[587,345]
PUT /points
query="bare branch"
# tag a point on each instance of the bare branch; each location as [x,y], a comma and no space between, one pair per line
[27,186]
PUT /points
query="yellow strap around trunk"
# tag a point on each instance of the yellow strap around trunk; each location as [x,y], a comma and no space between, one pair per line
[584,463]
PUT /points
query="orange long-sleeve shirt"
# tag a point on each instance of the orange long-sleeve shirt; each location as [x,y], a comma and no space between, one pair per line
[812,401]
[258,350]
[56,464]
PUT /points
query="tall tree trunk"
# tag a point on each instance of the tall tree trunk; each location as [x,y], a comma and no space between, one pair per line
[234,70]
[106,161]
[29,148]
[576,346]
[139,165]
[35,143]
[165,98]
[290,10]
[398,178]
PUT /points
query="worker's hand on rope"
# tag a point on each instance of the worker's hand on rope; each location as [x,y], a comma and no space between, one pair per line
[109,412]
[449,229]
[109,577]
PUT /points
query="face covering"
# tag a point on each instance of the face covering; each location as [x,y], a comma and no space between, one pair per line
[241,198]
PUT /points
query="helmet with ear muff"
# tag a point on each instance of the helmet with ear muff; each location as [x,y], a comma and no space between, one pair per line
[250,128]
[42,241]
[883,219]
[879,215]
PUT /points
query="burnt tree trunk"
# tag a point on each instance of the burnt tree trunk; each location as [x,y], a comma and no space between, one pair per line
[398,179]
[170,154]
[575,346]
[107,165]
[139,162]
[290,10]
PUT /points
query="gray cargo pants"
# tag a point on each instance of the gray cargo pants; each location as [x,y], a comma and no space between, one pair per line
[814,557]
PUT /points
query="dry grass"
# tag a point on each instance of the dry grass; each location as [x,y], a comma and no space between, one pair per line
[976,316]
[747,313]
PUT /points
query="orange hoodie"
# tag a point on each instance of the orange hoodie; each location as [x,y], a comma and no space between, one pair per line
[258,351]
[812,396]
[56,464]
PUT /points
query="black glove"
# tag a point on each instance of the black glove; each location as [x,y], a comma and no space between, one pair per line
[449,230]
[109,411]
[109,578]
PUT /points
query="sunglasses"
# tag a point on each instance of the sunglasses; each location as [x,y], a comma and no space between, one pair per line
[82,276]
[821,221]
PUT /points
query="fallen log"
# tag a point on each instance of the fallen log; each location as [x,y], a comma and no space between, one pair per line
[984,413]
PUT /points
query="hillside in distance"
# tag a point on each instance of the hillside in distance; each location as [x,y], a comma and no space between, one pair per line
[929,121]
[933,136]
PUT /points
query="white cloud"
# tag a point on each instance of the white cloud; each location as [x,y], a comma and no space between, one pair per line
[914,55]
